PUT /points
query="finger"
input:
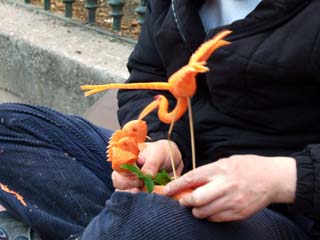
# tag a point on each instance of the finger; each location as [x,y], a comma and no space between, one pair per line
[125,182]
[211,209]
[131,190]
[179,168]
[168,168]
[226,216]
[205,194]
[140,161]
[152,162]
[151,168]
[235,212]
[149,159]
[191,179]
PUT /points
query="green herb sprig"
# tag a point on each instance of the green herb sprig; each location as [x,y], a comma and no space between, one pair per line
[162,178]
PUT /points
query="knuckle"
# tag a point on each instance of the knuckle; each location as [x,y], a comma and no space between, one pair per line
[123,182]
[242,214]
[239,200]
[196,201]
[233,186]
[222,166]
[217,218]
[190,177]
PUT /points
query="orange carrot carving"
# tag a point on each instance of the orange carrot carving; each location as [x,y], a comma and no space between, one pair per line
[158,189]
[123,150]
[125,144]
[181,84]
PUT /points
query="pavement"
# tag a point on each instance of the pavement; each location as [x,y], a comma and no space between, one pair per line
[102,113]
[8,97]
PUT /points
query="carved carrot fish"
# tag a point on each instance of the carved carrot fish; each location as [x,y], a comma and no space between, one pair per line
[125,144]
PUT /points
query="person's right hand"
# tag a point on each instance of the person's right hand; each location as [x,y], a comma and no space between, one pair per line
[152,159]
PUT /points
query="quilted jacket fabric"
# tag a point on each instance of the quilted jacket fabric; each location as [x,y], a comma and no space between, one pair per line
[261,95]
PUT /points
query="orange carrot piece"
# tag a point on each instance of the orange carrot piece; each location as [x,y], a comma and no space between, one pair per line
[158,189]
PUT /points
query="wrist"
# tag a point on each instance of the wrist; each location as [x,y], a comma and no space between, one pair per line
[285,176]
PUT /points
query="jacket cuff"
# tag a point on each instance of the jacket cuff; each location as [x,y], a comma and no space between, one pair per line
[305,189]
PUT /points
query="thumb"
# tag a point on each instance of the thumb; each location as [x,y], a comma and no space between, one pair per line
[150,167]
[152,157]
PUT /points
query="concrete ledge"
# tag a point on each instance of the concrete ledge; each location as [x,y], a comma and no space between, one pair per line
[45,60]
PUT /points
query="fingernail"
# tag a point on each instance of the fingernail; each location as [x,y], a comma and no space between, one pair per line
[141,160]
[182,202]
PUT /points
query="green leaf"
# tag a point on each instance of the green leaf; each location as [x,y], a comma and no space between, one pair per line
[132,168]
[148,182]
[147,179]
[162,178]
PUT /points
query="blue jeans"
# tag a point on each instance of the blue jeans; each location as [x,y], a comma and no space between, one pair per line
[57,163]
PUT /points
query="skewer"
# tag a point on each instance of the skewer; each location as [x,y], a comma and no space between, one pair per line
[193,147]
[170,146]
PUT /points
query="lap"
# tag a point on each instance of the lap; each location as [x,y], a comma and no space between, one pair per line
[150,216]
[57,163]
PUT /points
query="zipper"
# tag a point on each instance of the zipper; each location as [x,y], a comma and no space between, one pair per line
[179,27]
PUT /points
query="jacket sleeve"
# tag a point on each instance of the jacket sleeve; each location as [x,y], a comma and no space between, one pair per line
[145,65]
[308,183]
[308,161]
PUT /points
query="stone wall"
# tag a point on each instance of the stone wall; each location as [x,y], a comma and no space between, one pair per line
[45,60]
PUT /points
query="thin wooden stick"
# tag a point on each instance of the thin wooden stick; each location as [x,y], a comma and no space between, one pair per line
[170,146]
[193,148]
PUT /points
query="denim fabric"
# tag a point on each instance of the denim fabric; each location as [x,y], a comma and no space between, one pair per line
[57,163]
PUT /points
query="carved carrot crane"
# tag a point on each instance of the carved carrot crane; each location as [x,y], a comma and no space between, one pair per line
[181,84]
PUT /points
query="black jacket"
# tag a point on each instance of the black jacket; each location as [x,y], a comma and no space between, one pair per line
[262,95]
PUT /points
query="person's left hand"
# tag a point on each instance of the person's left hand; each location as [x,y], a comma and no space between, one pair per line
[236,187]
[153,158]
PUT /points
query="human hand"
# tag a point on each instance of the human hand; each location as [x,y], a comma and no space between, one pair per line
[236,187]
[154,157]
